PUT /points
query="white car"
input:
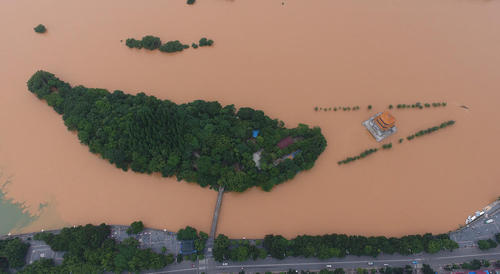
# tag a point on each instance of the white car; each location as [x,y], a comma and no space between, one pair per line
[386,264]
[329,265]
[224,264]
[370,263]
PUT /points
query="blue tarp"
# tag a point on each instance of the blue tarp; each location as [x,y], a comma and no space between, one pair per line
[255,133]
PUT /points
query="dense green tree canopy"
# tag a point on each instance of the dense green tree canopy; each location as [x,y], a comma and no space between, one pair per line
[135,227]
[330,246]
[12,253]
[152,42]
[90,249]
[40,29]
[200,142]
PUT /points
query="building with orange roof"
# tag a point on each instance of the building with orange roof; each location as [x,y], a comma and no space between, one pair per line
[381,125]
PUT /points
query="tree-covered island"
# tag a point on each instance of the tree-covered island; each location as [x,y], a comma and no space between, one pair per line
[200,141]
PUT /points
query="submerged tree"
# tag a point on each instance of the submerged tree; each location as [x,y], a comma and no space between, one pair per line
[200,141]
[40,29]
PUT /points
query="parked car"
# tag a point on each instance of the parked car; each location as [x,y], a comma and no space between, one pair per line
[370,263]
[224,264]
[329,266]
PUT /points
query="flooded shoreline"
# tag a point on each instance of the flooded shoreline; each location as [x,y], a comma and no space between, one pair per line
[294,57]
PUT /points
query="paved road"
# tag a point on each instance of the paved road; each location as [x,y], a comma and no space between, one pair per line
[437,261]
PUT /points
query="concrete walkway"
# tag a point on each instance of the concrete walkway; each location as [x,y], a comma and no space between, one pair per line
[213,230]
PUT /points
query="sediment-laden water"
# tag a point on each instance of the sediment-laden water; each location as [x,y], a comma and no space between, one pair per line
[284,57]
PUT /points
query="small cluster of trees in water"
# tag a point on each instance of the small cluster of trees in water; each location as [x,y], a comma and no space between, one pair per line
[340,108]
[200,142]
[328,246]
[152,42]
[40,29]
[430,130]
[419,105]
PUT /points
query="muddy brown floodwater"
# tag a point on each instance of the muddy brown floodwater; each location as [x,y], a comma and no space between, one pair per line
[284,59]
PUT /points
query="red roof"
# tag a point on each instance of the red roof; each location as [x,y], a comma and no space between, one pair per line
[285,142]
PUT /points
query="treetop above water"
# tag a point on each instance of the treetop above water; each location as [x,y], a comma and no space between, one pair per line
[200,141]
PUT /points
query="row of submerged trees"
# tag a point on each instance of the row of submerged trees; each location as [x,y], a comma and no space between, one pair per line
[389,145]
[339,108]
[200,141]
[330,246]
[430,130]
[152,43]
[419,105]
[357,157]
[398,106]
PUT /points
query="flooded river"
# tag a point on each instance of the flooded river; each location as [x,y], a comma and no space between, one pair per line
[284,57]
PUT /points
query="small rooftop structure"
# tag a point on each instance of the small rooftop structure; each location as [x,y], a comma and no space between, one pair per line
[256,158]
[385,121]
[285,142]
[381,125]
[187,247]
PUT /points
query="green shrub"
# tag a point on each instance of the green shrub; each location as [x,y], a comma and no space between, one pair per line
[426,269]
[194,45]
[150,42]
[40,29]
[369,107]
[135,227]
[193,257]
[486,244]
[13,252]
[400,140]
[132,43]
[172,46]
[190,2]
[472,265]
[205,42]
